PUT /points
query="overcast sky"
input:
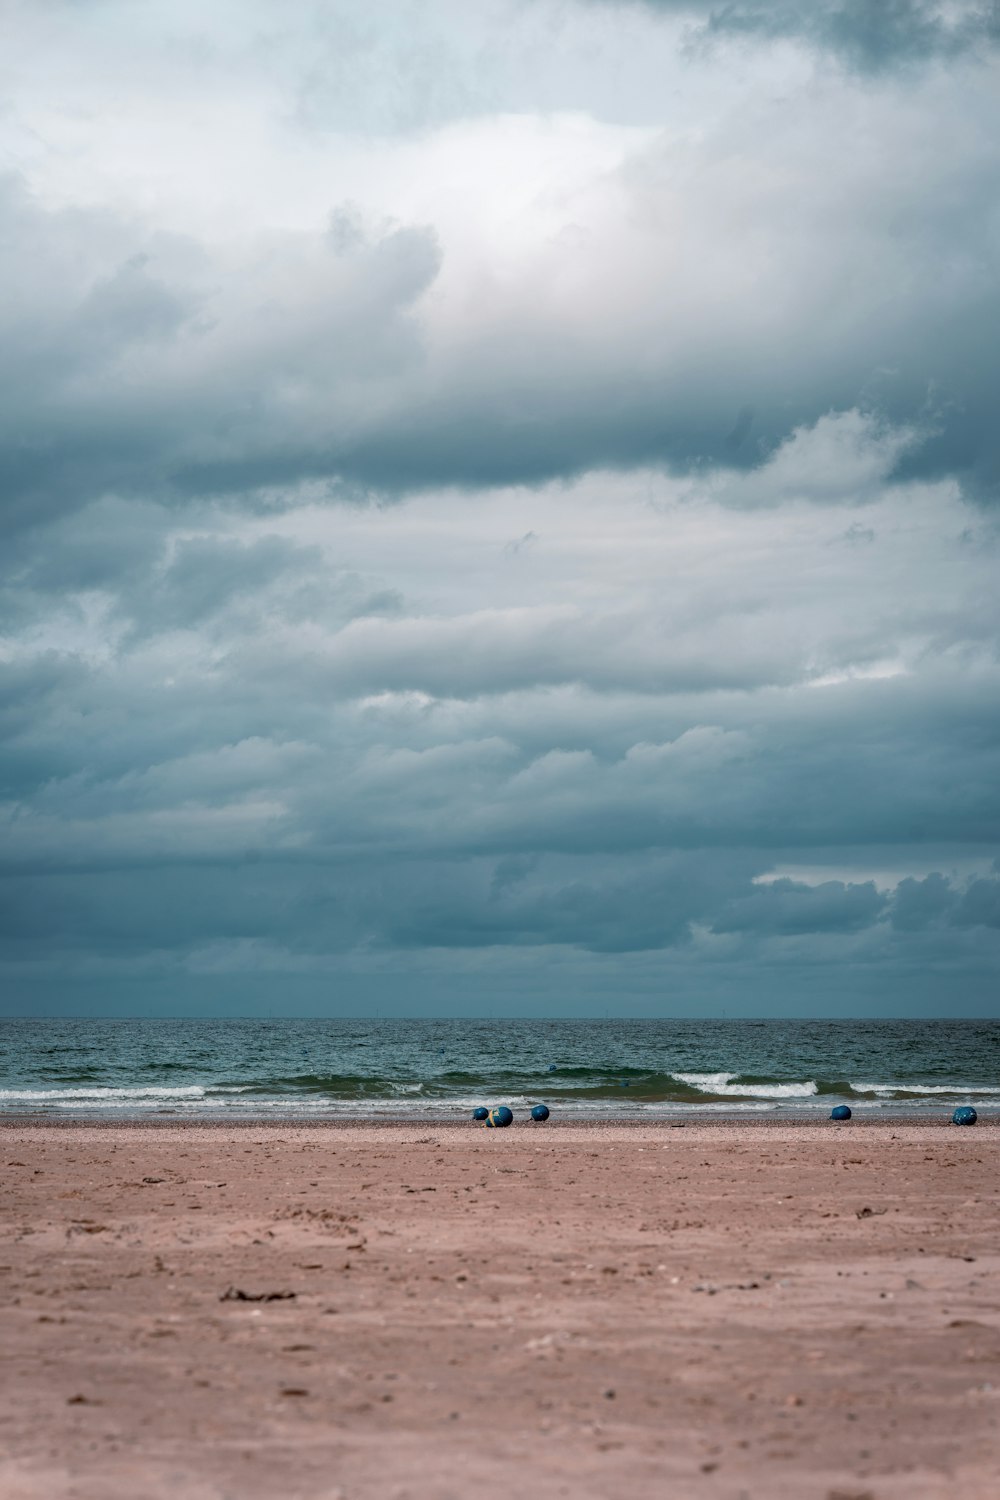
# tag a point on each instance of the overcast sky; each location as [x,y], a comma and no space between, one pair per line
[500,507]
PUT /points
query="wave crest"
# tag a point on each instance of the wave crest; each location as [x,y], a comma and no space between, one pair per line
[723,1085]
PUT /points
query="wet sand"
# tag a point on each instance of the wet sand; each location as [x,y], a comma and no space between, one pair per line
[424,1313]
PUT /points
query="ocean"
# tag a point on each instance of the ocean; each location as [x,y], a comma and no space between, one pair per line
[626,1069]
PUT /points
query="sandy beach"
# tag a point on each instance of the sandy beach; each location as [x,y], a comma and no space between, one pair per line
[414,1313]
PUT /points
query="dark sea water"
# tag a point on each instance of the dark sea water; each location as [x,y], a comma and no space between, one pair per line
[351,1069]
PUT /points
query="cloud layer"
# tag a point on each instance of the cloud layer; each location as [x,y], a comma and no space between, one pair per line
[510,298]
[643,723]
[507,496]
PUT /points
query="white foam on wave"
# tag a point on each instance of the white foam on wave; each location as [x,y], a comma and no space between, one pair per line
[105,1094]
[722,1085]
[99,1091]
[245,1101]
[885,1089]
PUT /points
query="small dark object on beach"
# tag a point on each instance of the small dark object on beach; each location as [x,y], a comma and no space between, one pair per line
[481,1113]
[234,1294]
[841,1112]
[500,1117]
[964,1115]
[540,1112]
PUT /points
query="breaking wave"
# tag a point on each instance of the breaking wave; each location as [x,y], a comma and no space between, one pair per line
[724,1086]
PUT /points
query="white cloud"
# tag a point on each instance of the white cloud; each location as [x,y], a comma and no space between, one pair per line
[507,295]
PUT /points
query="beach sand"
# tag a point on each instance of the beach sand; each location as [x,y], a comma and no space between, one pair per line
[724,1313]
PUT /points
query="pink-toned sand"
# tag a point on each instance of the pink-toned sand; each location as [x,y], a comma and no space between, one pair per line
[720,1314]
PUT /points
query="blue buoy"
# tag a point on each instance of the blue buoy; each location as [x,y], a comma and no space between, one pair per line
[551,1068]
[540,1112]
[500,1117]
[840,1112]
[964,1115]
[480,1113]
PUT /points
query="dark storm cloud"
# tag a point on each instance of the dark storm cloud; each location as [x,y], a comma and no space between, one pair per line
[870,35]
[788,906]
[980,904]
[921,903]
[938,901]
[594,905]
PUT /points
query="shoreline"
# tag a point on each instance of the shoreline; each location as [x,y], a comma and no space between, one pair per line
[924,1120]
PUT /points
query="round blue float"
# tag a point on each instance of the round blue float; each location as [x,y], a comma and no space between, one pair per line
[841,1112]
[964,1115]
[481,1113]
[540,1112]
[551,1068]
[500,1117]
